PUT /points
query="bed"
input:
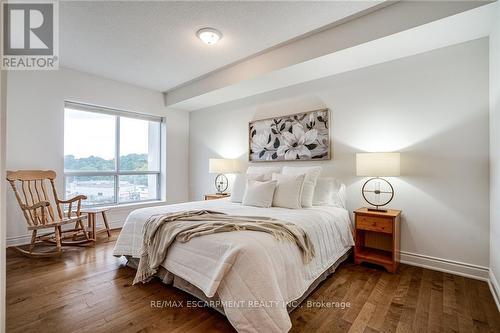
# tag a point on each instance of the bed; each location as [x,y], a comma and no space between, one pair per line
[252,278]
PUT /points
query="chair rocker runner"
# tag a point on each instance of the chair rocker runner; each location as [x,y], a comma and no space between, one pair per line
[30,189]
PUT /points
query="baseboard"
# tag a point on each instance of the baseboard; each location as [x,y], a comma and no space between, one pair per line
[26,239]
[447,266]
[495,289]
[19,240]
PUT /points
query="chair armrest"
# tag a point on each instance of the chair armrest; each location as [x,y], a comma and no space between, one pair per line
[77,198]
[35,206]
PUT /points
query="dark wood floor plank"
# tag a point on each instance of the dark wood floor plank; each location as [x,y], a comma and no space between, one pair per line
[465,323]
[384,302]
[393,316]
[89,290]
[408,312]
[450,313]
[361,321]
[333,321]
[436,313]
[368,311]
[311,318]
[479,315]
[356,306]
[423,303]
[488,305]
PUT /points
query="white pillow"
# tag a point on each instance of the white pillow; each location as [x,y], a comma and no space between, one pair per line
[288,191]
[340,200]
[330,192]
[267,171]
[240,183]
[312,174]
[259,194]
[307,194]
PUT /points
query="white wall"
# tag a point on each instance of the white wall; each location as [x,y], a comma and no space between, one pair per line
[177,156]
[35,107]
[432,107]
[495,156]
[3,112]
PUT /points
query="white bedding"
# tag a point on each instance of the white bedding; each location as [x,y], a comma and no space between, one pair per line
[253,274]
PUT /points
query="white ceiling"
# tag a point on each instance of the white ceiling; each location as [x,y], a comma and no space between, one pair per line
[463,27]
[153,44]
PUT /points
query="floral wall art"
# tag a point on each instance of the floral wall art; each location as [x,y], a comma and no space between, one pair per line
[302,136]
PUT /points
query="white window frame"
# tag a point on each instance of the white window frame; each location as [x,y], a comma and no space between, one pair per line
[117,172]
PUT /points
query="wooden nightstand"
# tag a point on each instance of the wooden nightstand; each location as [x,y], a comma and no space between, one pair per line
[216,196]
[377,237]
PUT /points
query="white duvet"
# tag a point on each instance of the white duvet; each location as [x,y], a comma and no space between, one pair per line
[254,275]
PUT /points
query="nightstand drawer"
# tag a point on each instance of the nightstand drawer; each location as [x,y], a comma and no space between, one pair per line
[374,224]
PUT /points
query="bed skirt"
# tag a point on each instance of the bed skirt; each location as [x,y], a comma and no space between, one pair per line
[179,283]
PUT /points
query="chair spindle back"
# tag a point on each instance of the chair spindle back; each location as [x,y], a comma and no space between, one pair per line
[31,190]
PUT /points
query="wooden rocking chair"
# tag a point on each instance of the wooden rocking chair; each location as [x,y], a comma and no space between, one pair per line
[39,213]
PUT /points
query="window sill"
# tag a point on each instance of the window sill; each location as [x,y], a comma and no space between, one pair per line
[133,205]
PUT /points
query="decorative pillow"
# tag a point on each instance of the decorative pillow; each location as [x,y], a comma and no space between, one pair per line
[340,200]
[288,191]
[259,194]
[311,176]
[240,183]
[307,194]
[330,192]
[267,171]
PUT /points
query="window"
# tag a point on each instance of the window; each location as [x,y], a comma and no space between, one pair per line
[111,156]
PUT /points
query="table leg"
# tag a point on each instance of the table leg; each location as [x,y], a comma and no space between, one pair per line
[90,226]
[93,227]
[106,223]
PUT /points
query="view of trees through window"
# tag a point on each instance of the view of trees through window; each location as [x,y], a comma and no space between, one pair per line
[135,162]
[90,157]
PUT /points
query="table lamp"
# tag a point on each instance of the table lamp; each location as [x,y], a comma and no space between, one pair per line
[377,165]
[222,166]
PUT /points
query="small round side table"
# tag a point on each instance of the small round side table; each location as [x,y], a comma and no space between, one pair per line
[91,220]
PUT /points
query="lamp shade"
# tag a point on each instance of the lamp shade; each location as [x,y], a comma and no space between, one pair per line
[221,165]
[378,164]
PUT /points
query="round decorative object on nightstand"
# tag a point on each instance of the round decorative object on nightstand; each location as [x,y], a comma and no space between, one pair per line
[387,193]
[221,183]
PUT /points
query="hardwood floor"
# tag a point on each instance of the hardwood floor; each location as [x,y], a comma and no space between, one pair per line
[89,290]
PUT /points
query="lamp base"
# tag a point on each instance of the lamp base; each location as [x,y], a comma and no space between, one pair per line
[378,192]
[221,183]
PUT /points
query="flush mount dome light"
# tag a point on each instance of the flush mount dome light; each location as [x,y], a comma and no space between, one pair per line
[209,36]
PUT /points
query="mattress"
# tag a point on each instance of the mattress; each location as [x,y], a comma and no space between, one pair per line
[254,276]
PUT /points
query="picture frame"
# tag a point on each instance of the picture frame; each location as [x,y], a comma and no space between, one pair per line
[303,136]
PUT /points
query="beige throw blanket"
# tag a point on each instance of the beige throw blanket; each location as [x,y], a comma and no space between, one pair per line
[161,230]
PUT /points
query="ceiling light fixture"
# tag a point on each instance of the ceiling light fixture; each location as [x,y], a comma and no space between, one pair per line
[209,36]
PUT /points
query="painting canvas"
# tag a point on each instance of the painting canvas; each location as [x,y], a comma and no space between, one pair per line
[302,136]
